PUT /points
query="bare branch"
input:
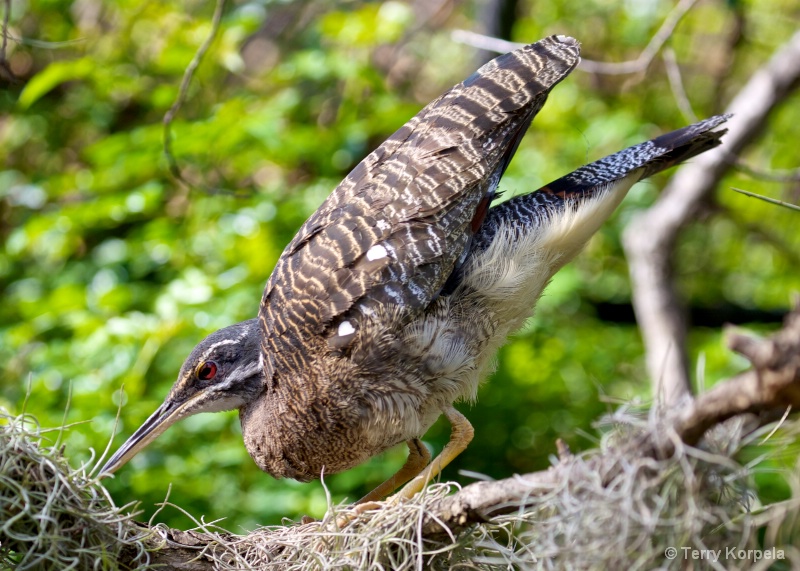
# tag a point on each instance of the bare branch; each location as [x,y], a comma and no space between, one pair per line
[184,90]
[649,53]
[5,68]
[6,16]
[484,42]
[773,384]
[772,176]
[676,84]
[564,453]
[650,238]
[640,64]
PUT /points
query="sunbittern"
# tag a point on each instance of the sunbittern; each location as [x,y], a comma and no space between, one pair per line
[392,299]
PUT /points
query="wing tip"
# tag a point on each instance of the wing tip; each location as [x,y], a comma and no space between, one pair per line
[562,51]
[700,131]
[563,40]
[564,47]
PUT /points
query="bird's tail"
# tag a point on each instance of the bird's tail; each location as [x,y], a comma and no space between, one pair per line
[621,169]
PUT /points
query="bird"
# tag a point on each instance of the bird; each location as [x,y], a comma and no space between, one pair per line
[391,301]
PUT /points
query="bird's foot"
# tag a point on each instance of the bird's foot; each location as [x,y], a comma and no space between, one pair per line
[347,517]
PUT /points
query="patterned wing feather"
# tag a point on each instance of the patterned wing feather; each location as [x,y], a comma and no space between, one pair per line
[391,233]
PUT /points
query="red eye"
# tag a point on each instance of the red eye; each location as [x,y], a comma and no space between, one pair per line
[207,371]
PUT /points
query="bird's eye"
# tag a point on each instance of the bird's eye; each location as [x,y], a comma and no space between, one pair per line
[207,371]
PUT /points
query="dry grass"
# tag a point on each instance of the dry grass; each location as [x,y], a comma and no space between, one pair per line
[51,515]
[55,517]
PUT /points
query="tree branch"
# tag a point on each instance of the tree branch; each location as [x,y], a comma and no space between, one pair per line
[773,383]
[640,64]
[676,84]
[650,238]
[183,92]
[792,175]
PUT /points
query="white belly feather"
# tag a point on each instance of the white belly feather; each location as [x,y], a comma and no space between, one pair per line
[501,286]
[458,337]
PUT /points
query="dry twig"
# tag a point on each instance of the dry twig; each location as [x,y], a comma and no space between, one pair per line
[676,84]
[792,175]
[188,74]
[638,65]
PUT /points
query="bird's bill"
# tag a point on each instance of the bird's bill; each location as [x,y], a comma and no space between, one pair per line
[165,416]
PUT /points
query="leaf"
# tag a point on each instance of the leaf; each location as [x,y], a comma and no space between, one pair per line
[53,75]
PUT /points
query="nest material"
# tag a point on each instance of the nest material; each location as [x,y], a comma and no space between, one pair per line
[700,499]
[54,517]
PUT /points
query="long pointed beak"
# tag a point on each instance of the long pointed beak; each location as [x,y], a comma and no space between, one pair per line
[165,416]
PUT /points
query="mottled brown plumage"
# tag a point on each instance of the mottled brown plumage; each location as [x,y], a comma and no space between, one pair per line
[412,199]
[392,299]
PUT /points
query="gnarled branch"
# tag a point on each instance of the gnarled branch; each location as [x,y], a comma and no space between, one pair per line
[650,238]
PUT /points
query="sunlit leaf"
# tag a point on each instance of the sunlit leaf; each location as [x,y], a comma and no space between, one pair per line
[52,76]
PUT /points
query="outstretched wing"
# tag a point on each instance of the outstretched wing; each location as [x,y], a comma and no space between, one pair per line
[392,232]
[531,211]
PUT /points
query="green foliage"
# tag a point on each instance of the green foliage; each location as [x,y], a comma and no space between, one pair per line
[111,270]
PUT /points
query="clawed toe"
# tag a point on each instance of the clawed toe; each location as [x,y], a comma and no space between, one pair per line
[347,517]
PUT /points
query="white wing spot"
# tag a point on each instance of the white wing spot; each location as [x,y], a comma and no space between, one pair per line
[377,252]
[346,328]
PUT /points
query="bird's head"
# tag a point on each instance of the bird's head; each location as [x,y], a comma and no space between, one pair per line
[222,373]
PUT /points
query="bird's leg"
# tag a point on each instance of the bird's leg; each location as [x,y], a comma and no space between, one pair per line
[461,433]
[418,458]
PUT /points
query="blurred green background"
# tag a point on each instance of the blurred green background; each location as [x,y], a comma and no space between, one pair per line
[111,270]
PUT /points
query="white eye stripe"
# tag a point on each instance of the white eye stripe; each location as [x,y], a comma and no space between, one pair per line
[346,328]
[211,349]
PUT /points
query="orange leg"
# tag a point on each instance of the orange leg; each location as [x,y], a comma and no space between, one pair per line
[418,458]
[460,436]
